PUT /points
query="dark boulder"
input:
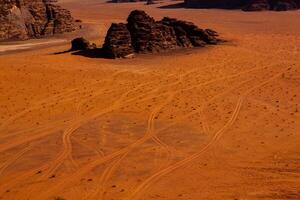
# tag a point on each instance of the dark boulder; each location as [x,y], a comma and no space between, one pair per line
[81,44]
[211,32]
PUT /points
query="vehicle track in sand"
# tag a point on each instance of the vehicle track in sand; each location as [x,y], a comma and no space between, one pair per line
[67,146]
[67,95]
[43,129]
[13,159]
[165,146]
[150,127]
[122,151]
[36,136]
[85,169]
[46,166]
[143,186]
[42,103]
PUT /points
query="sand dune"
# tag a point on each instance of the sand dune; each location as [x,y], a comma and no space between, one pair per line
[216,123]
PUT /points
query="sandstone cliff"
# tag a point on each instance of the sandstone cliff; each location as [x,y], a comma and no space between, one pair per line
[24,19]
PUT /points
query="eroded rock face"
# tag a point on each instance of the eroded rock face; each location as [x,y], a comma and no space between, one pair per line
[118,42]
[225,4]
[257,5]
[24,19]
[284,5]
[142,34]
[246,5]
[188,33]
[148,35]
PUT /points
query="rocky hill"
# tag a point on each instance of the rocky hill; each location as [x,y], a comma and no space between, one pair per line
[246,5]
[24,19]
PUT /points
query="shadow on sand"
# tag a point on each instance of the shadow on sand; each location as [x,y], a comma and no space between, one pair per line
[173,6]
[89,53]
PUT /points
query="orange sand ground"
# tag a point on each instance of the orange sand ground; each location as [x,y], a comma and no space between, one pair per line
[214,123]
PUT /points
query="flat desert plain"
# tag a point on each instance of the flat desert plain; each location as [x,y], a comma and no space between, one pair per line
[220,122]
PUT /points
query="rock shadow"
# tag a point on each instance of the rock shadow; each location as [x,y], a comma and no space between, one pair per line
[173,6]
[89,53]
[92,53]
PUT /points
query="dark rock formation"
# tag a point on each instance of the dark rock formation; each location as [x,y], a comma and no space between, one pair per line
[246,5]
[257,5]
[142,34]
[24,19]
[118,42]
[148,35]
[284,5]
[81,44]
[187,32]
[224,4]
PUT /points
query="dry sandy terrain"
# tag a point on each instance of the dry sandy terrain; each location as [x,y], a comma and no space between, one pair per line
[24,45]
[221,122]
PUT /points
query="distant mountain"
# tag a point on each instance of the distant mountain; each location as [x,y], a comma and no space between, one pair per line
[246,5]
[24,19]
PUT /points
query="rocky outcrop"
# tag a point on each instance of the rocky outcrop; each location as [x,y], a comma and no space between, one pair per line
[118,42]
[224,4]
[147,35]
[277,5]
[142,34]
[24,19]
[257,5]
[188,34]
[284,5]
[246,5]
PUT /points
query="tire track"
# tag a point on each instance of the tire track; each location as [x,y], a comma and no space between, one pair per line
[149,131]
[136,193]
[181,163]
[49,101]
[14,159]
[90,166]
[67,150]
[95,163]
[17,179]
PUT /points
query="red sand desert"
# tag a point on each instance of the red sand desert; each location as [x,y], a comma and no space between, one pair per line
[221,122]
